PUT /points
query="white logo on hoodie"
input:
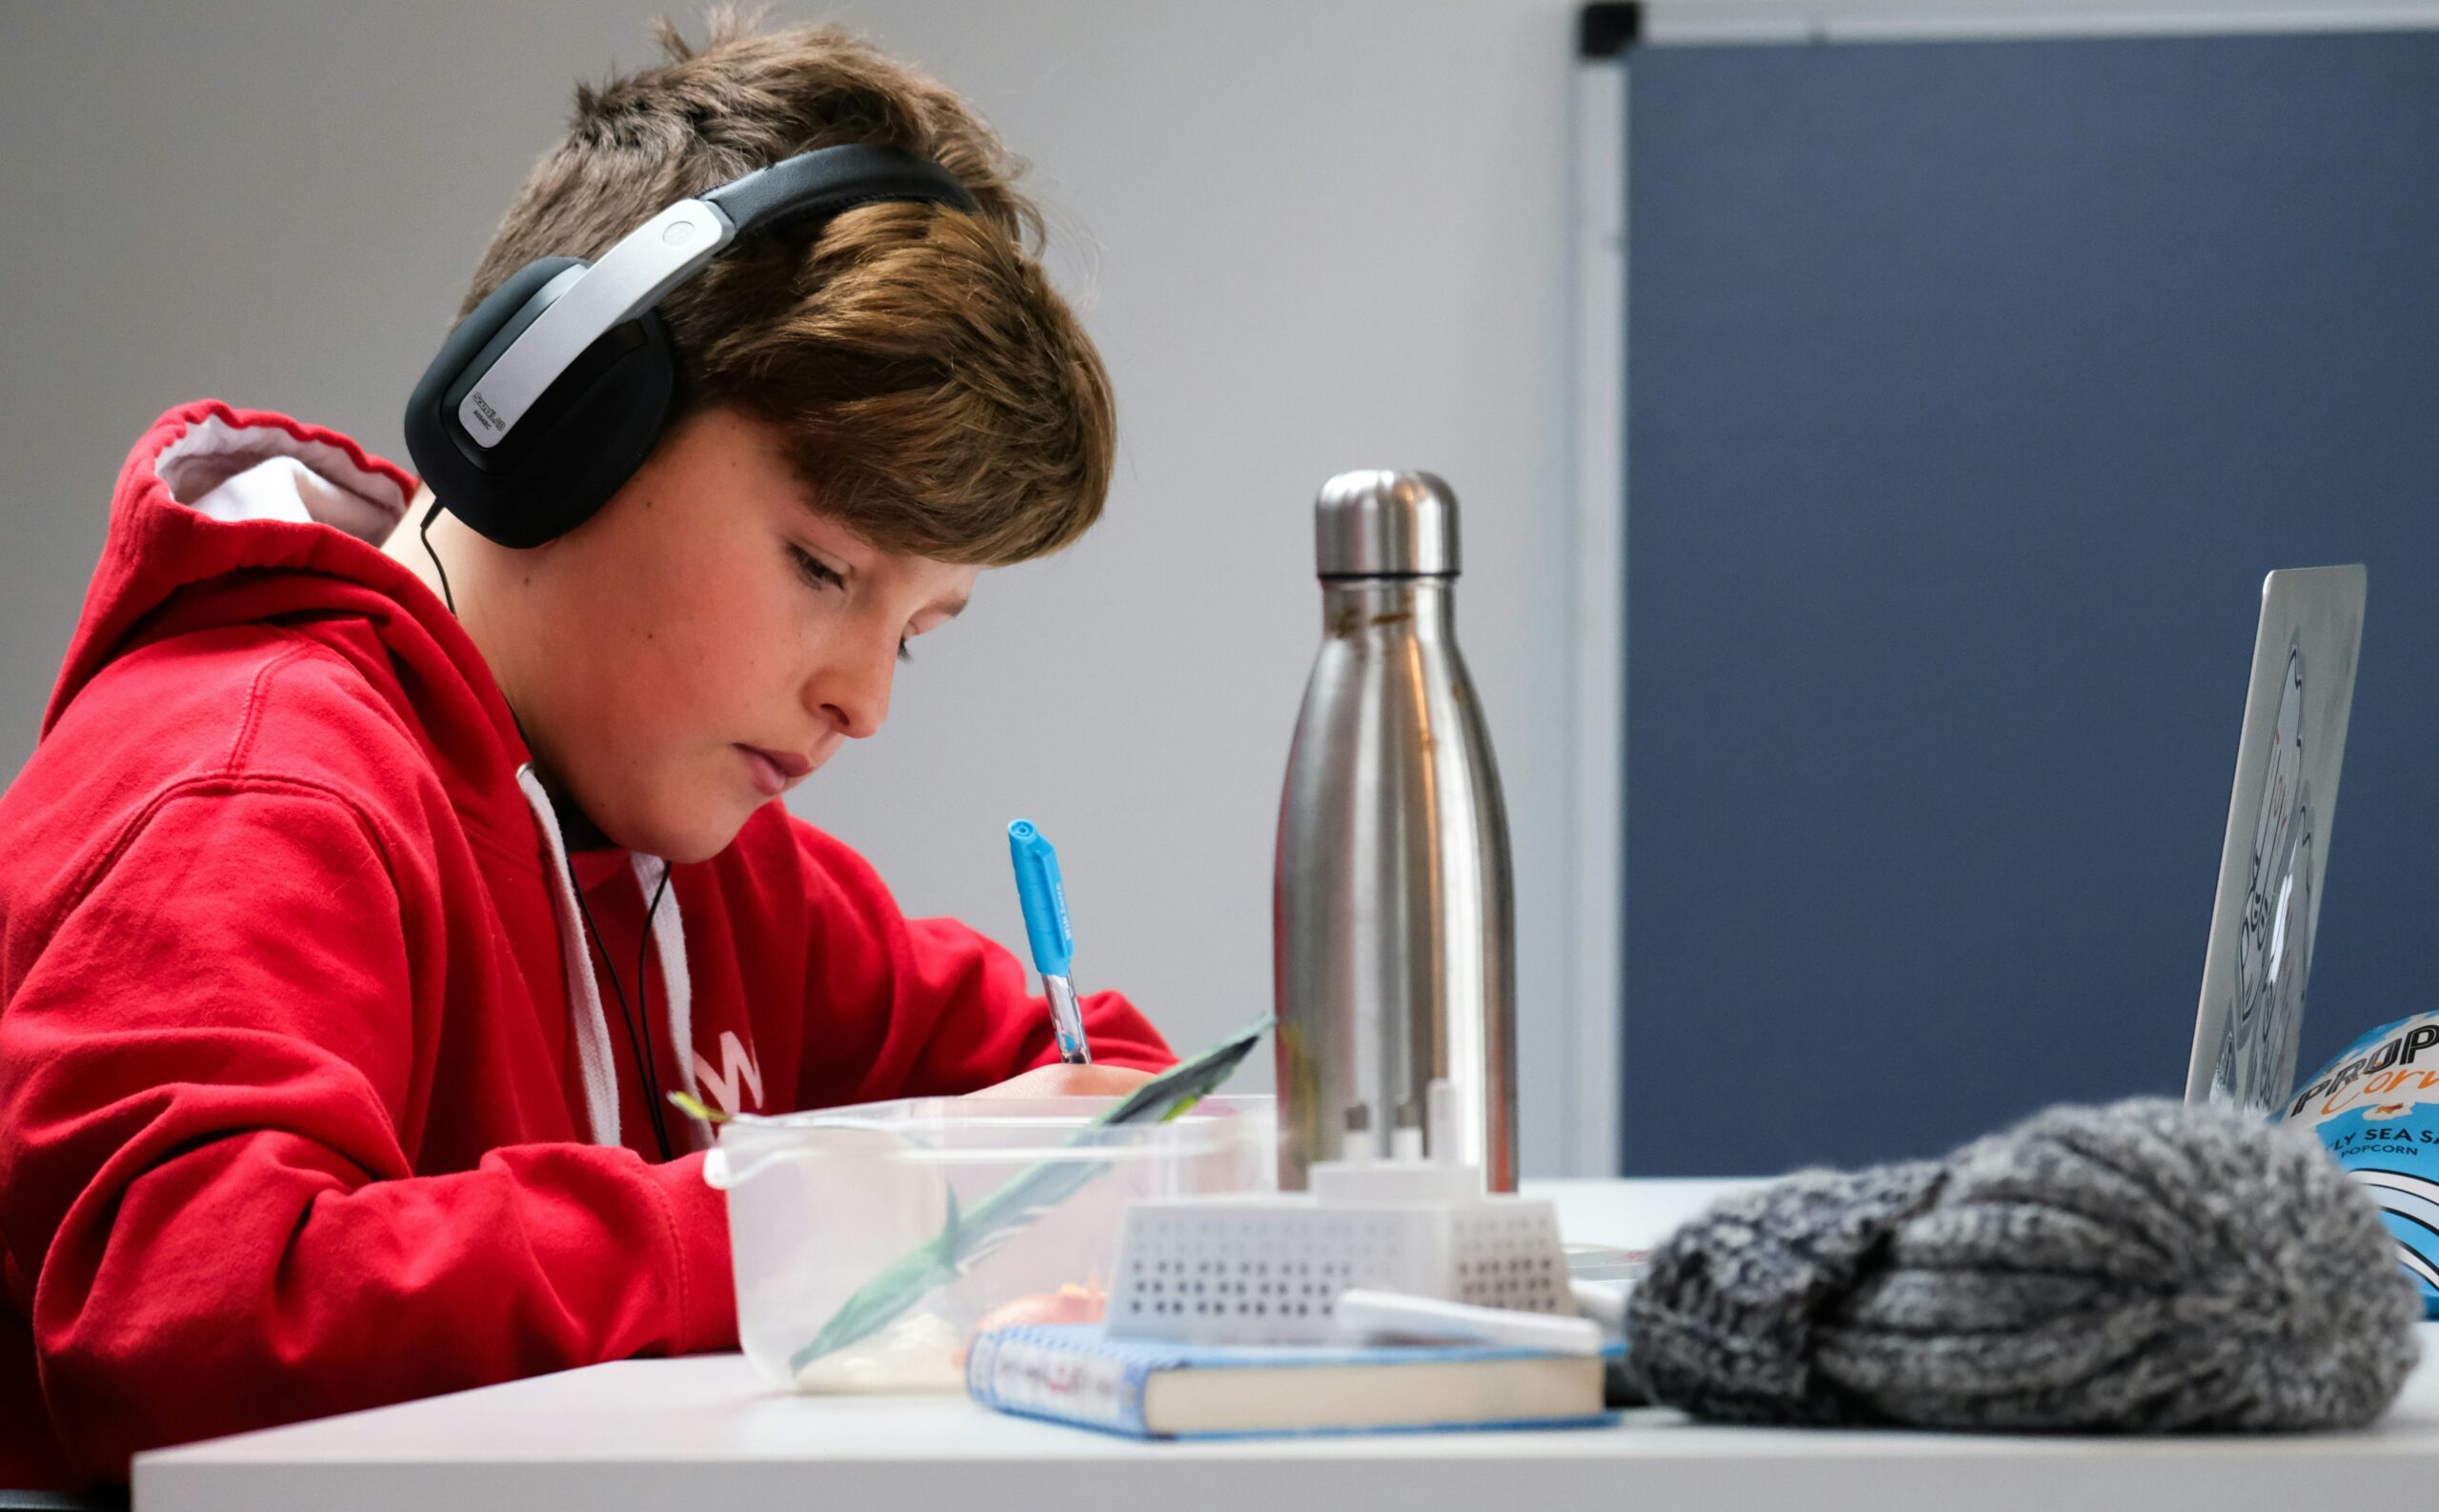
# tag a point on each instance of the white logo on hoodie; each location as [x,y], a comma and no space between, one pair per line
[737,1065]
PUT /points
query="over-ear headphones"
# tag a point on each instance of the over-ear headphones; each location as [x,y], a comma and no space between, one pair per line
[552,392]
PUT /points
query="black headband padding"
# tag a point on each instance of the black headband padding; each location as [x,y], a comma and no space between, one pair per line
[822,183]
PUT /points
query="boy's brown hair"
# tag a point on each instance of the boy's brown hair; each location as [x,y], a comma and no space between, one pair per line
[936,393]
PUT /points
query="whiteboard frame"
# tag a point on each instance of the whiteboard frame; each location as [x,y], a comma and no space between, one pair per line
[1595,879]
[1698,22]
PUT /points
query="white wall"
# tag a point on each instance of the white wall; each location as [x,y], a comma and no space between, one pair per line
[1309,238]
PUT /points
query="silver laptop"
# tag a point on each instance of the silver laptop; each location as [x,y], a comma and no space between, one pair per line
[2270,866]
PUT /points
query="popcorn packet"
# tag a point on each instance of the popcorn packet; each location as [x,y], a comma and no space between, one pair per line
[2376,1107]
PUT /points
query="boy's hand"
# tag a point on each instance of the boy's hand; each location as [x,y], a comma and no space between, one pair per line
[1068,1081]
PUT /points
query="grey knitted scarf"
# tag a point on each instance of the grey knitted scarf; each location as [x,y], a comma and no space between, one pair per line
[2142,1267]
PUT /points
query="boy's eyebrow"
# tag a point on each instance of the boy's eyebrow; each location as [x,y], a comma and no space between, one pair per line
[945,608]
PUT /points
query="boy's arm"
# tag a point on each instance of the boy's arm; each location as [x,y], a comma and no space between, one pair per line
[209,1079]
[916,1007]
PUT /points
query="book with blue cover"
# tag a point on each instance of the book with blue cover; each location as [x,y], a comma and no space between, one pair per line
[1075,1373]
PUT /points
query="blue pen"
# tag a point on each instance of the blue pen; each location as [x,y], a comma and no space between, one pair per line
[1053,947]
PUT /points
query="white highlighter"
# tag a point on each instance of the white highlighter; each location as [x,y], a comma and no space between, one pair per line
[1387,1317]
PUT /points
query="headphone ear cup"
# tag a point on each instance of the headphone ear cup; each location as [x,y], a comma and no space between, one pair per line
[584,436]
[597,424]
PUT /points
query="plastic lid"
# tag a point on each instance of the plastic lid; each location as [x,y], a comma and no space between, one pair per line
[1377,523]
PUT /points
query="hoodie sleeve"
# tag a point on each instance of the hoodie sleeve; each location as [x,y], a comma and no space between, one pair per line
[922,1007]
[204,1083]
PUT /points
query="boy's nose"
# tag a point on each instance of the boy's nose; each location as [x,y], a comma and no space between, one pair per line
[852,691]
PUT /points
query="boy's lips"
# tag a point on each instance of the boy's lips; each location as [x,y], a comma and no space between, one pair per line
[774,770]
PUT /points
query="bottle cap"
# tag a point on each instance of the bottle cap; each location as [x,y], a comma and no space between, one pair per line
[1377,523]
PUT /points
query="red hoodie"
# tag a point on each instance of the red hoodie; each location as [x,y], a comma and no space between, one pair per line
[308,1100]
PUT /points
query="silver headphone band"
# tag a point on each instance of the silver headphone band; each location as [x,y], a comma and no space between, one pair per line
[630,278]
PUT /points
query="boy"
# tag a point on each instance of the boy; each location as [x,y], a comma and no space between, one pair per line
[350,828]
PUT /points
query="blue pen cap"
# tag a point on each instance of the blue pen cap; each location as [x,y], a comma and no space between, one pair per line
[1045,899]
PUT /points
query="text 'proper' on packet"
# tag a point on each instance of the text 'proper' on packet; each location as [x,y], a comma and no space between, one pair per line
[2376,1107]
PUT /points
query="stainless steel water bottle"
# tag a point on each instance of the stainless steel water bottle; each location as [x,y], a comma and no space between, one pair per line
[1393,904]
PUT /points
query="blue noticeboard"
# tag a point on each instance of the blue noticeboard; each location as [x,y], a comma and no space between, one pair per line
[1971,389]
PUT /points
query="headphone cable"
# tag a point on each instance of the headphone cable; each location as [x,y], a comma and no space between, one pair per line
[445,597]
[642,956]
[644,1068]
[643,1011]
[650,1082]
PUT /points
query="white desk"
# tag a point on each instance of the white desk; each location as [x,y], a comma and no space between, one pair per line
[656,1435]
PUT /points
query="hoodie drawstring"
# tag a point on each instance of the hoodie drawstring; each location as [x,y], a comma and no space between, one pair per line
[593,1051]
[678,986]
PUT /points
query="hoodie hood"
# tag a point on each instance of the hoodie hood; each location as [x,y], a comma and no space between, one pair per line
[227,516]
[211,493]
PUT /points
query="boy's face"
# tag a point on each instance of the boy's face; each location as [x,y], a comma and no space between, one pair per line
[708,639]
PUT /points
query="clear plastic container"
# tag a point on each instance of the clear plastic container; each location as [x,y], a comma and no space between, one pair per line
[826,1205]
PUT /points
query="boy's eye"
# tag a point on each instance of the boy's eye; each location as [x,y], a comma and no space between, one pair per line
[809,567]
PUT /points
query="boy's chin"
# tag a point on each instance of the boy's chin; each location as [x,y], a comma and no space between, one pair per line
[699,843]
[687,854]
[685,839]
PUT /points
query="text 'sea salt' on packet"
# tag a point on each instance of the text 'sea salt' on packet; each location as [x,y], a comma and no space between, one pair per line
[2376,1106]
